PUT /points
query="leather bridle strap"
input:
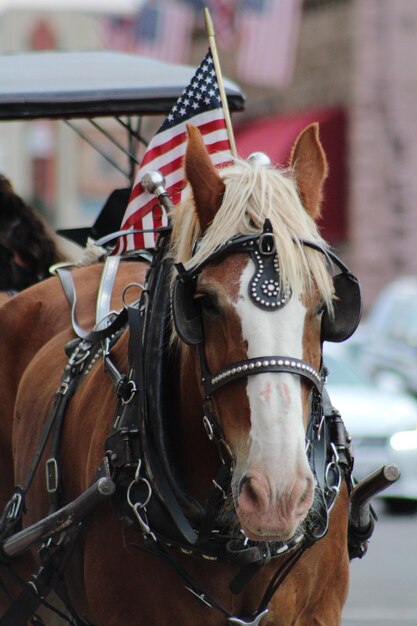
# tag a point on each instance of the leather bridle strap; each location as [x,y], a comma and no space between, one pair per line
[260,365]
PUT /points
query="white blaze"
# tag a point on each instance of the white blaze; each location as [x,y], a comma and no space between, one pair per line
[277,441]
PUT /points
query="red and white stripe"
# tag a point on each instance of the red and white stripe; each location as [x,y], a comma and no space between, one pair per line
[165,153]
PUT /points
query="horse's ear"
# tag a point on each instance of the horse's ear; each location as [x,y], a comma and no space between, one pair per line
[208,187]
[309,165]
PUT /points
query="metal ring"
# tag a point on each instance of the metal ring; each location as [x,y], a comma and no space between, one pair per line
[129,286]
[333,467]
[133,390]
[140,505]
[208,427]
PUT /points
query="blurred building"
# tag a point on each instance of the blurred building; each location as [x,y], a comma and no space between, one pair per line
[351,67]
[383,142]
[45,160]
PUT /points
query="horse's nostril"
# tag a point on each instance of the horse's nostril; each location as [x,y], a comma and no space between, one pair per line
[250,493]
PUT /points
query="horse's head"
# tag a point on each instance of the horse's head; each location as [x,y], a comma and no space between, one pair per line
[252,301]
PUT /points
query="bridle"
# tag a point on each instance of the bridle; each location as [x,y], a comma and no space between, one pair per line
[267,293]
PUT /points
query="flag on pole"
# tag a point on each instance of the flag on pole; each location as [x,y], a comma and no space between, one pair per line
[199,105]
[268,39]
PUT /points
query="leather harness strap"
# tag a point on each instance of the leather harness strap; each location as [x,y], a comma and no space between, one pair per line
[93,336]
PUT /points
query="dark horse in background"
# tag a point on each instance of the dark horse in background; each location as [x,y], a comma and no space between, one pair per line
[27,248]
[252,301]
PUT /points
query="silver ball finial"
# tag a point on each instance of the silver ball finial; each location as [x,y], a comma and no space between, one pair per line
[153,182]
[259,157]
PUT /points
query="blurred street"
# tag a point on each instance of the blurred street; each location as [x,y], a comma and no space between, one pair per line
[383,588]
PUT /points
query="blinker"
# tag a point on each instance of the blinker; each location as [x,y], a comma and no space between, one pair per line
[347,309]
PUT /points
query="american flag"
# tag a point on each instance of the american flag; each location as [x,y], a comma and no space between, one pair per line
[159,29]
[268,38]
[199,105]
[163,31]
[118,32]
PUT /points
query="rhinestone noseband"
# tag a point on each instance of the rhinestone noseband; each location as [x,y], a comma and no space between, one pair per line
[261,365]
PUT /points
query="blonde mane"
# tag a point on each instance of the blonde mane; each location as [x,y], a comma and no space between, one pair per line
[253,193]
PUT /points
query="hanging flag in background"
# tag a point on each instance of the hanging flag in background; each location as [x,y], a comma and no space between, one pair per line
[118,32]
[199,105]
[163,31]
[223,16]
[268,34]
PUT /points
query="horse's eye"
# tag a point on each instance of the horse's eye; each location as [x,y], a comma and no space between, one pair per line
[320,309]
[209,305]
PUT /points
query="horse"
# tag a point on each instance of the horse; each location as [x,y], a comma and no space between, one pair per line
[225,511]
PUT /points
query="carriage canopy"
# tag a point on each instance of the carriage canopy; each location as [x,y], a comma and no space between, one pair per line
[91,84]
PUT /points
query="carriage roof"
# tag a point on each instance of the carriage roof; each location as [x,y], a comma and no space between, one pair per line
[90,84]
[85,85]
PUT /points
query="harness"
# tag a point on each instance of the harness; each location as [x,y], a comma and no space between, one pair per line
[138,468]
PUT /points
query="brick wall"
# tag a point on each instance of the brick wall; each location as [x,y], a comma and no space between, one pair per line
[383,206]
[323,66]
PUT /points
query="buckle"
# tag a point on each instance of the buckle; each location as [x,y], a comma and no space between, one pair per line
[51,469]
[13,507]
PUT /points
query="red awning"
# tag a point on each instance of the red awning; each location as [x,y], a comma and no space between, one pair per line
[276,135]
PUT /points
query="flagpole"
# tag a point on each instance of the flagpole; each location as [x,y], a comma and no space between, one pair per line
[223,98]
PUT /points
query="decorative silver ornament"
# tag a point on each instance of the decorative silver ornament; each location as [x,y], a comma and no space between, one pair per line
[259,157]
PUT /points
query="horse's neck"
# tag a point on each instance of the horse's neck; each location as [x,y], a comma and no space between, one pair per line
[197,457]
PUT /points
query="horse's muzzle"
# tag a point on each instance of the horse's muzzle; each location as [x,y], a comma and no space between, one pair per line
[265,516]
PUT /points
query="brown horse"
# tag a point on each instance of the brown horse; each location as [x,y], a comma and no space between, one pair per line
[251,280]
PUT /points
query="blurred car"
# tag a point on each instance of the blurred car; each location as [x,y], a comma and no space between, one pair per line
[389,354]
[382,424]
